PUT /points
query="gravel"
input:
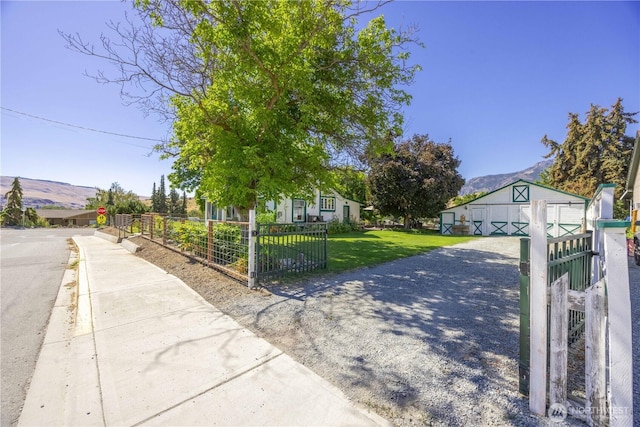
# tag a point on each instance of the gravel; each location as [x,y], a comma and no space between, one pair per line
[431,339]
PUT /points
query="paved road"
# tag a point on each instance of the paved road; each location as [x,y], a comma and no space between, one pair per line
[32,263]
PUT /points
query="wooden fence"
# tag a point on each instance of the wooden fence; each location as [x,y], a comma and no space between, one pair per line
[552,306]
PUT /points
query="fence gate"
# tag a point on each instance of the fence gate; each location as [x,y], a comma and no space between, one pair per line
[565,255]
[575,353]
[289,248]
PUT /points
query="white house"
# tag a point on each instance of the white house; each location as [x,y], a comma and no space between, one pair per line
[326,206]
[632,188]
[632,193]
[507,212]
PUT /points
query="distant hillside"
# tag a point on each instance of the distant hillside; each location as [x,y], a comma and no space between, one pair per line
[493,182]
[40,193]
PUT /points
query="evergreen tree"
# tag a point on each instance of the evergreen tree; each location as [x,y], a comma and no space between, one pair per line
[594,152]
[174,202]
[13,211]
[154,199]
[162,197]
[183,208]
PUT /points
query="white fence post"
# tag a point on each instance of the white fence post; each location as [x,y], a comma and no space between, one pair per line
[538,309]
[619,301]
[252,250]
[559,336]
[595,356]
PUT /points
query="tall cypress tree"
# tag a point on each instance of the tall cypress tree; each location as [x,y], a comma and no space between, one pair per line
[183,209]
[174,202]
[154,199]
[162,197]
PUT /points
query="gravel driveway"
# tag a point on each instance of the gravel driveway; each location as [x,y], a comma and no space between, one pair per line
[427,339]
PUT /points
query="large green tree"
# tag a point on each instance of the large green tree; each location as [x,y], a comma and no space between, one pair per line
[416,181]
[12,214]
[264,95]
[594,152]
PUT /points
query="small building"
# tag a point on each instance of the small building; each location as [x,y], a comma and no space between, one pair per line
[325,207]
[507,212]
[68,217]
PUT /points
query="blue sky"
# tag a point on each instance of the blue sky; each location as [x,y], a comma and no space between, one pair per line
[496,77]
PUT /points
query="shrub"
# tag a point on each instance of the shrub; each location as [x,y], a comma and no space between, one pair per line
[227,243]
[267,217]
[336,226]
[189,236]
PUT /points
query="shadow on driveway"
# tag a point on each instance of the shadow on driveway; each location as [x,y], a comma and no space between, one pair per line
[431,338]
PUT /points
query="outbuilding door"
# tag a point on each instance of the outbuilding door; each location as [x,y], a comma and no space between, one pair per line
[477,221]
[447,219]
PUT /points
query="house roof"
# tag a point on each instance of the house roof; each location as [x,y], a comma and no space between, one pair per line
[586,199]
[633,168]
[64,213]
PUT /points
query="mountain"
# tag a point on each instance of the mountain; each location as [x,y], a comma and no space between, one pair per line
[37,193]
[493,182]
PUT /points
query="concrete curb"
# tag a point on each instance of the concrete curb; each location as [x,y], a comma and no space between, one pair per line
[130,246]
[52,367]
[107,236]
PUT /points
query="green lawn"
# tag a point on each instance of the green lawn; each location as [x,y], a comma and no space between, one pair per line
[362,249]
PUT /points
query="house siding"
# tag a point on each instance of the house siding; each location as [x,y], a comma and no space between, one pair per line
[311,212]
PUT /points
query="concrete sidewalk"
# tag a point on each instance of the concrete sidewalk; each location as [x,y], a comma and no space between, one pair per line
[144,349]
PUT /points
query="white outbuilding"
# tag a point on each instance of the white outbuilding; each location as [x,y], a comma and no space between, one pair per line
[507,212]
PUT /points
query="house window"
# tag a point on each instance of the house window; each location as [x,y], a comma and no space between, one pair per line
[298,210]
[520,193]
[327,203]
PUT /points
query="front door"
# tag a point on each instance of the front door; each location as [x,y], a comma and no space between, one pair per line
[346,214]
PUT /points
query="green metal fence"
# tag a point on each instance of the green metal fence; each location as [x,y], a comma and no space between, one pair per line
[283,249]
[572,254]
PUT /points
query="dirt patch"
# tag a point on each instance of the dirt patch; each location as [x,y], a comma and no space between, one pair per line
[213,286]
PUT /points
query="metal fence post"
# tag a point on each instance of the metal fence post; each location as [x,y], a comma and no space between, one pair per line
[164,232]
[252,249]
[209,241]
